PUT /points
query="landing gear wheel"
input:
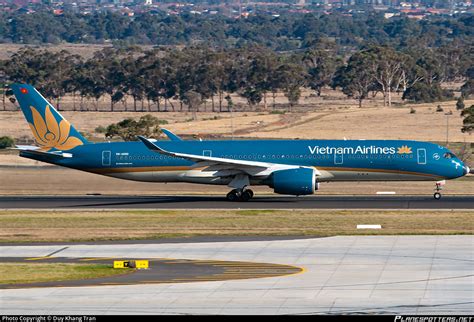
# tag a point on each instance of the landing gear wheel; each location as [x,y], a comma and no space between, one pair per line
[233,196]
[250,192]
[437,195]
[246,195]
[239,195]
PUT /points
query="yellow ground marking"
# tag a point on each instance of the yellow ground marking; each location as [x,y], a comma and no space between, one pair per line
[96,259]
[38,258]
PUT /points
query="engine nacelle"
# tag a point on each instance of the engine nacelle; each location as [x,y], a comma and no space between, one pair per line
[297,182]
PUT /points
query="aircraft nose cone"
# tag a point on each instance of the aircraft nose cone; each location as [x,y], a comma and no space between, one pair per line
[466,169]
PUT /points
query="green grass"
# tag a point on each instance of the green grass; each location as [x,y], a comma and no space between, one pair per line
[24,273]
[65,226]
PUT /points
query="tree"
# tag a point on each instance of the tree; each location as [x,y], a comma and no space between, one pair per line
[291,78]
[133,82]
[160,74]
[468,121]
[460,103]
[457,58]
[261,75]
[355,79]
[236,70]
[61,75]
[288,32]
[468,88]
[321,63]
[193,100]
[89,81]
[423,92]
[386,66]
[151,73]
[128,129]
[255,81]
[6,142]
[50,71]
[111,72]
[219,72]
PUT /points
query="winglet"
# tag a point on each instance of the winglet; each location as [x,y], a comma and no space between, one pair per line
[171,135]
[152,146]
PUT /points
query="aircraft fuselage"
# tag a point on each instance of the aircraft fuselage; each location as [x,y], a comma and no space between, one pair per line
[336,160]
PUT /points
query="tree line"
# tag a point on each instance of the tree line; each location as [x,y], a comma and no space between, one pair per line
[154,79]
[290,31]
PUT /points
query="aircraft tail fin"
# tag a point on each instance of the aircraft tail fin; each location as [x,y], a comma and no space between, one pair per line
[50,129]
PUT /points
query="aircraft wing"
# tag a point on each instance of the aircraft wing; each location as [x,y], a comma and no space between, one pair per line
[224,166]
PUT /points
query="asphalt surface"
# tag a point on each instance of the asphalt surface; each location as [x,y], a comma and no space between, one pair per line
[396,275]
[160,271]
[219,202]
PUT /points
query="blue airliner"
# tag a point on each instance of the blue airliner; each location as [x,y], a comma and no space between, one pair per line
[291,167]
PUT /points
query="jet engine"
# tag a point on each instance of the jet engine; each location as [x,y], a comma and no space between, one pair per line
[301,181]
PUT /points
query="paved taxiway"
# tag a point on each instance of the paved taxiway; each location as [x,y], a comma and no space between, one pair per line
[160,271]
[219,202]
[350,274]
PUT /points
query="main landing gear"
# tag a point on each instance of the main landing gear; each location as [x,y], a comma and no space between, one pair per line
[438,188]
[240,195]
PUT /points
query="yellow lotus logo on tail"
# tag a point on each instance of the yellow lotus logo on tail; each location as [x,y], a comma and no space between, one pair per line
[404,150]
[49,134]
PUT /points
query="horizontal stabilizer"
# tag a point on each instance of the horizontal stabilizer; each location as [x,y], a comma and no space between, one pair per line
[25,147]
[44,154]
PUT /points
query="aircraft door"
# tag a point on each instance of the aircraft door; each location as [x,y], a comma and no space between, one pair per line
[421,156]
[106,157]
[338,158]
[207,153]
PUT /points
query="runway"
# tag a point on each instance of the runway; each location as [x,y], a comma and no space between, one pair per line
[425,275]
[219,202]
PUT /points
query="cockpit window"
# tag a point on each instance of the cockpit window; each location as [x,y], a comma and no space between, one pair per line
[448,155]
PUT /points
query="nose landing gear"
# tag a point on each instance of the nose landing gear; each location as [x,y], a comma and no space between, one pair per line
[438,188]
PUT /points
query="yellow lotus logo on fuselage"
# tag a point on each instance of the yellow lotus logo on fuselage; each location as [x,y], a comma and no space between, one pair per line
[404,150]
[49,134]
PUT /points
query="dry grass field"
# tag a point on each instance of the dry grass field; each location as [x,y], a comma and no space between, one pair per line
[65,226]
[329,117]
[19,273]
